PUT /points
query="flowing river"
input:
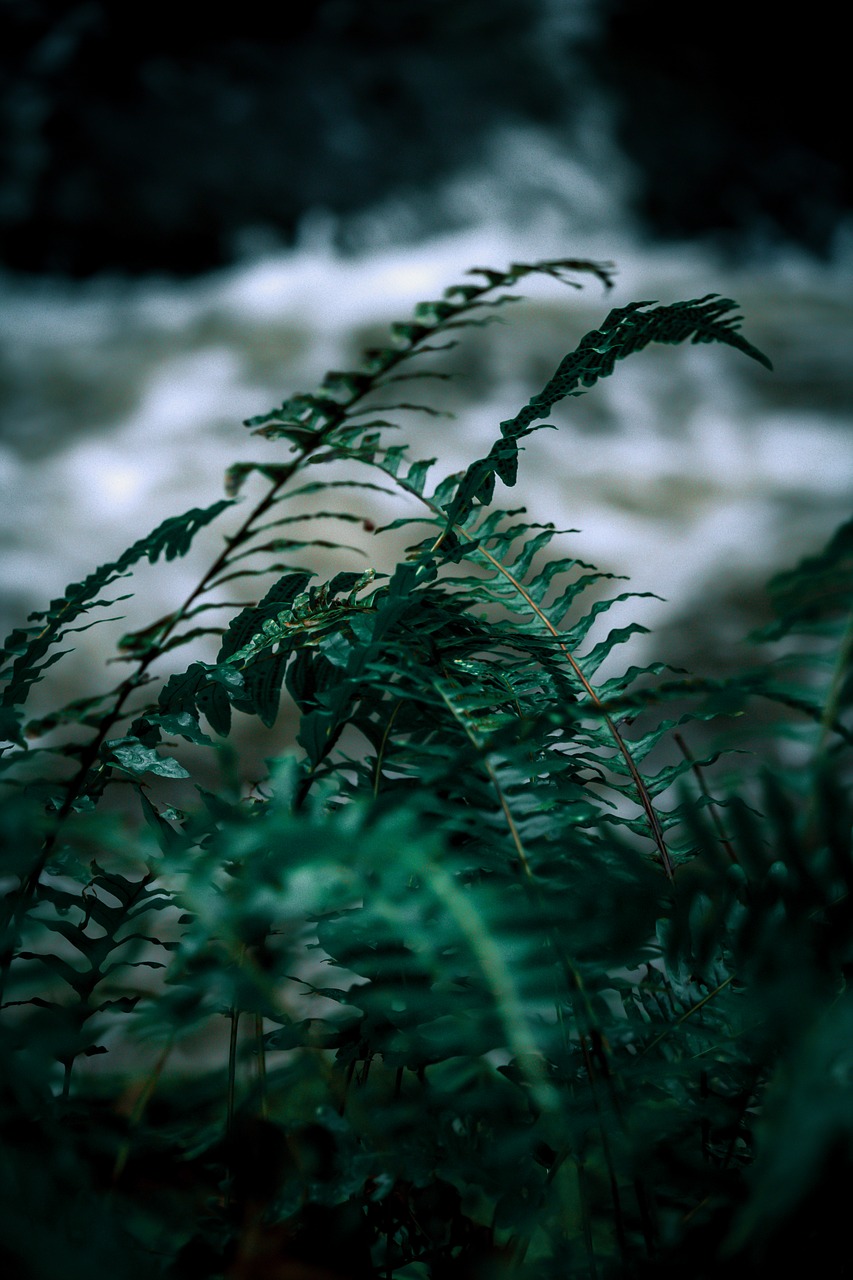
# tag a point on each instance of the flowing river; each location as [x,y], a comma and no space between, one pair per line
[693,470]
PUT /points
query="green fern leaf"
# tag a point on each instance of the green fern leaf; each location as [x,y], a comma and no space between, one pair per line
[27,649]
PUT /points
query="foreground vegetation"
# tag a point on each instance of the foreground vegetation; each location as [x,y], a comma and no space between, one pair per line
[488,975]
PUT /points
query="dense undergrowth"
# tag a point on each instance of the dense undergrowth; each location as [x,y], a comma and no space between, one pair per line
[489,975]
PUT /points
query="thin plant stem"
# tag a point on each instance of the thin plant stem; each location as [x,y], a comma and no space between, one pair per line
[699,776]
[261,1051]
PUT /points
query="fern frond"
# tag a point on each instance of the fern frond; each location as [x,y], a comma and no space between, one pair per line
[626,330]
[115,906]
[813,604]
[24,651]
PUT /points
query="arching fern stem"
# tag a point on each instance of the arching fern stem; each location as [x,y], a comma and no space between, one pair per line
[335,413]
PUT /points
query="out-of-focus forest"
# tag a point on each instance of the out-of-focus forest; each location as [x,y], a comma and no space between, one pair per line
[138,139]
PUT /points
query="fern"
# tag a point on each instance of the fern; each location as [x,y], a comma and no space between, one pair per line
[492,974]
[814,601]
[25,648]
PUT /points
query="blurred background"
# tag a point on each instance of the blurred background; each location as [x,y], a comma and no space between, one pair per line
[196,222]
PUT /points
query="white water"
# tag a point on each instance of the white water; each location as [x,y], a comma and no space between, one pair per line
[692,470]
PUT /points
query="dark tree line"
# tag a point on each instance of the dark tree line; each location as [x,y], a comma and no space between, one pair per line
[132,141]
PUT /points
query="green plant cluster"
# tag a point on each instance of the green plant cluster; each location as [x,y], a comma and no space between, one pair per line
[488,976]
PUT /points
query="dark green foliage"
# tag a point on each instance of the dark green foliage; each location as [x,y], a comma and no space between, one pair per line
[25,648]
[483,977]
